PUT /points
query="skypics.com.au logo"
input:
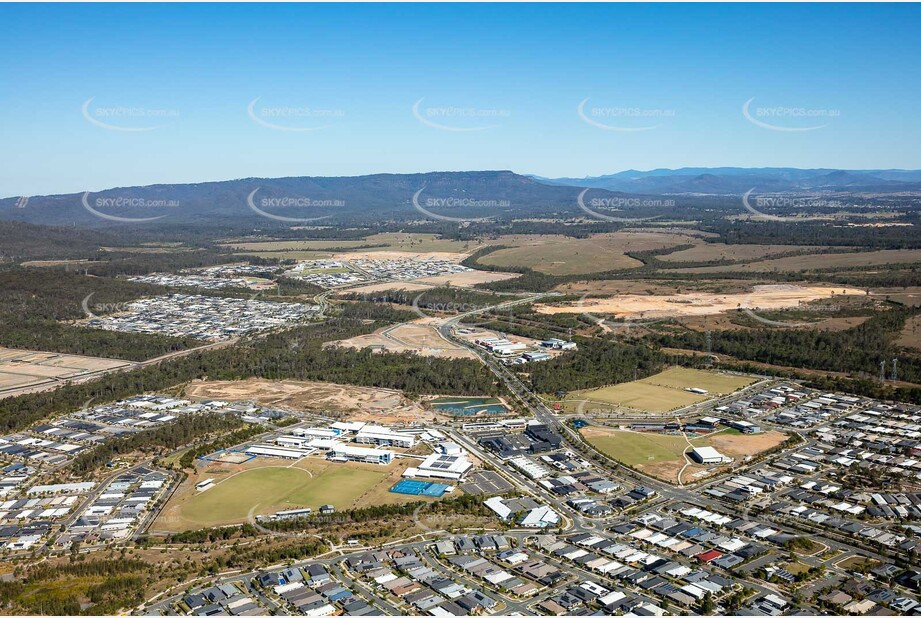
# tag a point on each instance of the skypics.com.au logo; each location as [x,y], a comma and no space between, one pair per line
[759,204]
[752,312]
[294,119]
[788,119]
[292,202]
[623,119]
[620,203]
[125,204]
[104,308]
[490,205]
[131,119]
[459,119]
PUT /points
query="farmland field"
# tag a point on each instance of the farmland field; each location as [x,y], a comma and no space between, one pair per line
[559,255]
[816,261]
[711,252]
[394,241]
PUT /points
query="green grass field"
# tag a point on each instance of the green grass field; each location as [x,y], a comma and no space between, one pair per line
[277,488]
[715,383]
[664,391]
[641,396]
[635,449]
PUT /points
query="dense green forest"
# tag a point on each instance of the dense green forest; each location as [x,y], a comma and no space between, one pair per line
[858,350]
[39,591]
[596,363]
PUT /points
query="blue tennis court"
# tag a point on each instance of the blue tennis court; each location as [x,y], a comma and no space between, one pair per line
[420,488]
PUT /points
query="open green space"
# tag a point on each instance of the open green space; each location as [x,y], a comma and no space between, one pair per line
[641,396]
[271,489]
[713,382]
[635,449]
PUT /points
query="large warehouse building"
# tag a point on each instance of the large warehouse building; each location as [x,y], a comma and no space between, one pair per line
[707,455]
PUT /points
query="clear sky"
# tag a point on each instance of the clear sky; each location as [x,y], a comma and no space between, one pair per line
[510,77]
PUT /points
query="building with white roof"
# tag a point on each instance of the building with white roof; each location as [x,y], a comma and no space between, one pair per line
[440,465]
[344,452]
[707,455]
[383,436]
[541,517]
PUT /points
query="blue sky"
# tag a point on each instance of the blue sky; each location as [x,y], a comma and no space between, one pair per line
[501,87]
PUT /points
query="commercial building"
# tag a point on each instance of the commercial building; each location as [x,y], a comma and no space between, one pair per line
[383,436]
[440,465]
[292,441]
[707,455]
[266,450]
[343,452]
[541,517]
[316,432]
[542,433]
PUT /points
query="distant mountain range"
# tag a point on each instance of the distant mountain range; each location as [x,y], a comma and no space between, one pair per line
[452,195]
[377,197]
[738,180]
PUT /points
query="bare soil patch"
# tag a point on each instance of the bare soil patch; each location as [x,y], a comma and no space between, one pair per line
[354,402]
[698,303]
[418,338]
[741,445]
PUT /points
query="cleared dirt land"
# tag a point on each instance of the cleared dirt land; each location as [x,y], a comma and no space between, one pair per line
[356,402]
[662,455]
[659,393]
[632,286]
[780,296]
[561,255]
[267,485]
[21,368]
[420,339]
